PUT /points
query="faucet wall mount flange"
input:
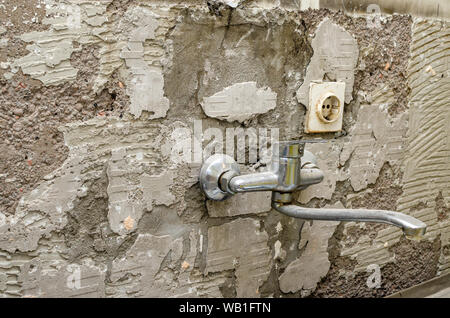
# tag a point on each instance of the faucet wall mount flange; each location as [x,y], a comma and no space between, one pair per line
[211,172]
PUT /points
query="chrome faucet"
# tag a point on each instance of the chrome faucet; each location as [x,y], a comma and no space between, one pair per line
[292,169]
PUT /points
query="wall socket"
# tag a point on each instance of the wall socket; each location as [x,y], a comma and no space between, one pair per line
[326,107]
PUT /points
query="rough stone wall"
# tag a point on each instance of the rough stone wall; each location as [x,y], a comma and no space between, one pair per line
[95,203]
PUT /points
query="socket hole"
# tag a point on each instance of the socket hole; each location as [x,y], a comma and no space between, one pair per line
[329,112]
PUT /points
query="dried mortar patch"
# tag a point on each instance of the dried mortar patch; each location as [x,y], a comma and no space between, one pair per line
[209,57]
[29,120]
[384,51]
[304,273]
[239,102]
[383,195]
[335,58]
[87,233]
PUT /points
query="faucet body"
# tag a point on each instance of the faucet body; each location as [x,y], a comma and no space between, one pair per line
[292,169]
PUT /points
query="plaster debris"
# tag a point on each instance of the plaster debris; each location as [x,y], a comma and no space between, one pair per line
[365,250]
[4,65]
[335,58]
[131,191]
[157,189]
[304,273]
[90,144]
[149,269]
[240,246]
[120,176]
[430,70]
[375,139]
[141,264]
[49,203]
[145,86]
[240,102]
[147,94]
[88,23]
[242,204]
[327,155]
[62,279]
[50,62]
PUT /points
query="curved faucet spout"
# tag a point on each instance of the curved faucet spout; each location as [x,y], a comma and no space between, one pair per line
[411,227]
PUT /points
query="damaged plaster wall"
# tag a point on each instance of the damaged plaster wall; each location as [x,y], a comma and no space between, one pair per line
[97,96]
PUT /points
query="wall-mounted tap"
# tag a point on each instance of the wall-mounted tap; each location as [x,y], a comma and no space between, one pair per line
[292,169]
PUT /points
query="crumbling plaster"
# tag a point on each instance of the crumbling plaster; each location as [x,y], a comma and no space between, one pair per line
[120,215]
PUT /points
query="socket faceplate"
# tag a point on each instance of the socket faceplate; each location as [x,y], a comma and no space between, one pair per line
[326,107]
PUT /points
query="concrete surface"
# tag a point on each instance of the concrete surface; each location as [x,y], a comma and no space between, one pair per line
[99,99]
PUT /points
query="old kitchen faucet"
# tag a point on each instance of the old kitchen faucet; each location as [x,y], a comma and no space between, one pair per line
[292,169]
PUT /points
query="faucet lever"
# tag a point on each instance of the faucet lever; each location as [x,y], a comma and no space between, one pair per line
[292,169]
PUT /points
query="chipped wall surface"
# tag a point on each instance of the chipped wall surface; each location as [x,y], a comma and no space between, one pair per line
[99,98]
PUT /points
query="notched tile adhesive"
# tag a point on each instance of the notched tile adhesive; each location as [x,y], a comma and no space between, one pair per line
[105,200]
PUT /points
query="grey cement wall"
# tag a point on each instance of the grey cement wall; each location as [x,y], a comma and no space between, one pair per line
[96,96]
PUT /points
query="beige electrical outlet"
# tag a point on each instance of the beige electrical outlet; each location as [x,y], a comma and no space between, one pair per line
[326,107]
